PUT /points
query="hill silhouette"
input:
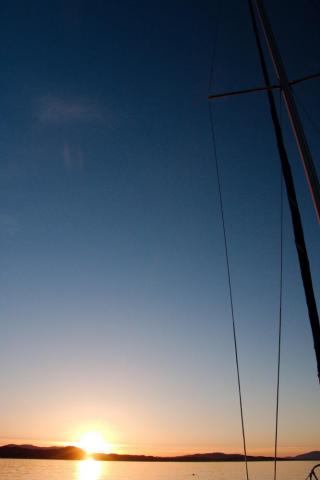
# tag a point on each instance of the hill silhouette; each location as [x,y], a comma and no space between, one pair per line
[48,453]
[75,453]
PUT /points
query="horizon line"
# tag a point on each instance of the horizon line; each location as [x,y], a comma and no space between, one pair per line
[146,455]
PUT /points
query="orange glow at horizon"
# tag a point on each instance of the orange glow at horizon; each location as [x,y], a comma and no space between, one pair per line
[93,442]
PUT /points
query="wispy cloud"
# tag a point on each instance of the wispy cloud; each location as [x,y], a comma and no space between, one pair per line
[57,110]
[73,158]
[63,113]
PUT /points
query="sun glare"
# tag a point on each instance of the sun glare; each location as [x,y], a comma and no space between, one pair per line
[89,470]
[93,442]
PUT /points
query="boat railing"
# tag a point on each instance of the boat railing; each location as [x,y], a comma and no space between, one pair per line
[313,475]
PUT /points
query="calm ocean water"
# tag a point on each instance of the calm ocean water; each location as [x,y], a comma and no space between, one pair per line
[11,469]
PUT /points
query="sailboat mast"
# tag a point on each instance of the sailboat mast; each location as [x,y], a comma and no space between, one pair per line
[293,203]
[297,127]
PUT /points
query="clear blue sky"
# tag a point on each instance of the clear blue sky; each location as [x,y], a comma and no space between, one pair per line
[114,308]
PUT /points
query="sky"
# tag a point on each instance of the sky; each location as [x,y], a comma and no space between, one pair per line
[114,307]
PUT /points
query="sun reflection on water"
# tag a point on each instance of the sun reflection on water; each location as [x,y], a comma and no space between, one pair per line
[89,470]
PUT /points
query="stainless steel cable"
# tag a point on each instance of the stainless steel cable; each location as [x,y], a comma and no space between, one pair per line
[225,240]
[280,313]
[226,250]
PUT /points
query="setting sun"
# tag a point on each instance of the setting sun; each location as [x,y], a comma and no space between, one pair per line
[93,442]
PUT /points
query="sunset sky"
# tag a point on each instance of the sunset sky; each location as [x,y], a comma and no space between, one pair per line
[114,308]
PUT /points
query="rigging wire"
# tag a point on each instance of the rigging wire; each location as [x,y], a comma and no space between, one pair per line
[225,240]
[226,250]
[280,312]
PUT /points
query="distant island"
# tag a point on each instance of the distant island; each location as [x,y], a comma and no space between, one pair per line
[75,453]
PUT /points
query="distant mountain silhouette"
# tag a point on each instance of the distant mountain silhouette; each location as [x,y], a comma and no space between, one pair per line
[48,453]
[197,457]
[75,453]
[315,455]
